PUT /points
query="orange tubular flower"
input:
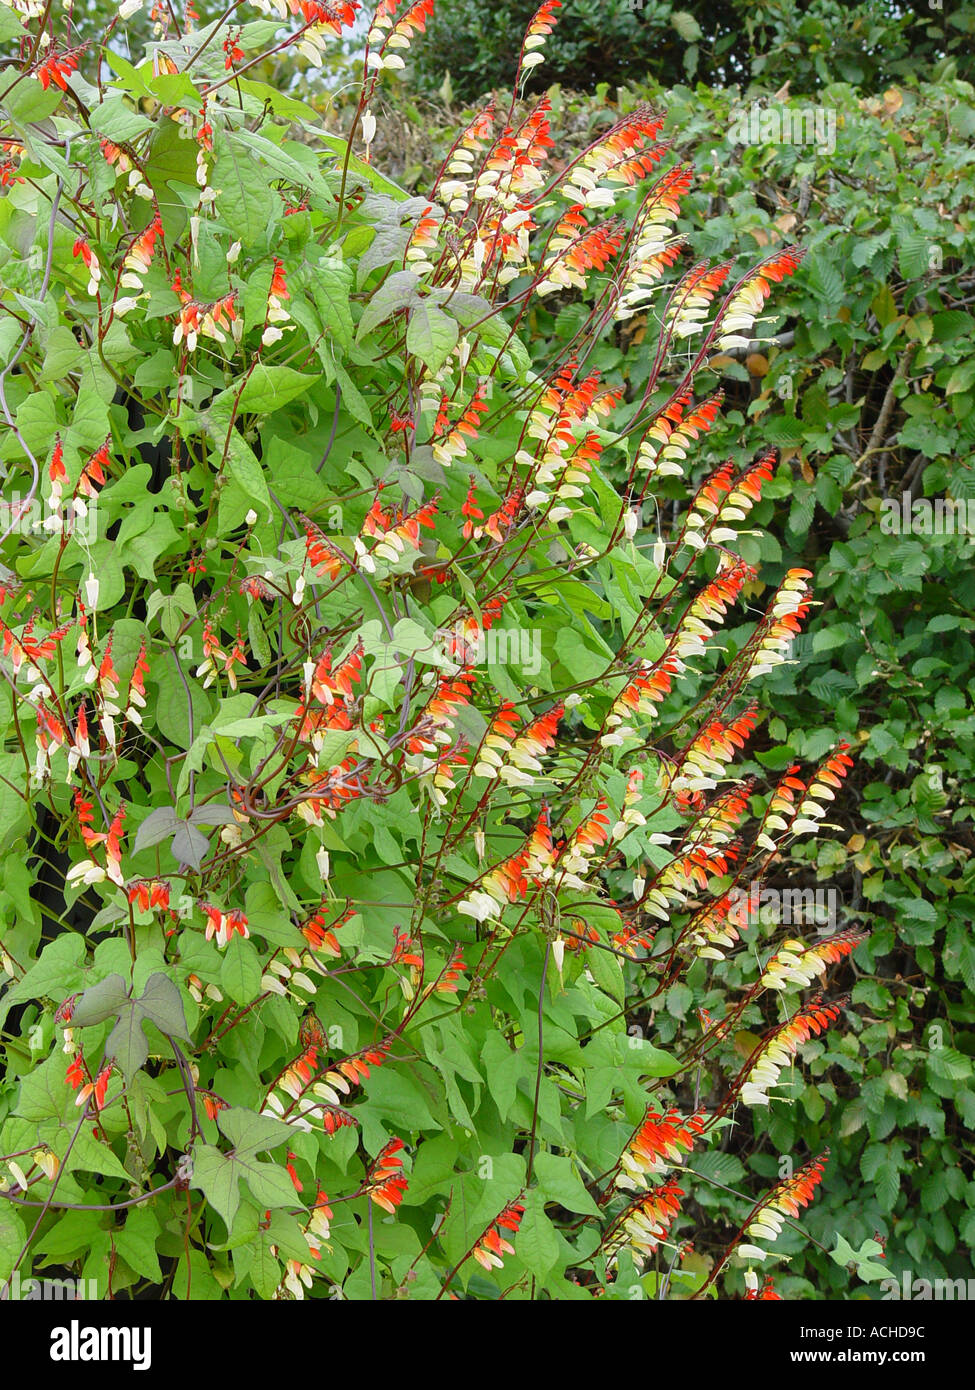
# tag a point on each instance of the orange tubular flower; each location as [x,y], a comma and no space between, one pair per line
[540,26]
[300,1073]
[582,937]
[496,745]
[796,808]
[447,983]
[321,555]
[139,258]
[647,689]
[767,1291]
[330,686]
[708,755]
[212,1104]
[27,650]
[231,47]
[666,443]
[538,738]
[785,1200]
[386,1183]
[433,729]
[467,427]
[57,68]
[507,882]
[782,1043]
[658,1143]
[11,153]
[56,471]
[743,307]
[405,950]
[575,252]
[148,894]
[692,298]
[93,472]
[593,832]
[541,849]
[472,513]
[321,938]
[351,1071]
[335,1118]
[96,1089]
[493,1246]
[644,1224]
[136,698]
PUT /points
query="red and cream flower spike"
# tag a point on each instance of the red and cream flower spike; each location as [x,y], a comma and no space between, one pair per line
[575,249]
[139,257]
[385,48]
[94,1090]
[619,156]
[652,247]
[490,1250]
[540,26]
[667,442]
[772,642]
[424,238]
[691,300]
[785,1200]
[643,1225]
[206,320]
[707,757]
[450,442]
[88,871]
[394,532]
[505,883]
[276,313]
[737,317]
[795,807]
[659,1143]
[386,1184]
[647,688]
[796,965]
[581,846]
[780,1046]
[83,249]
[222,925]
[58,67]
[454,182]
[714,929]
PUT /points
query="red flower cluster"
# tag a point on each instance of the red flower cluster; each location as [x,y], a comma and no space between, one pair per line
[386,1183]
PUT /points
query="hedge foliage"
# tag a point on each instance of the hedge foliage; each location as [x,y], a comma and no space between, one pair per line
[372,805]
[865,383]
[808,43]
